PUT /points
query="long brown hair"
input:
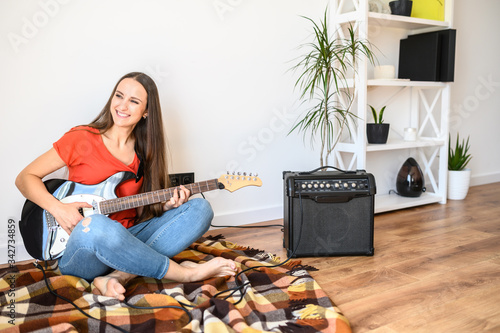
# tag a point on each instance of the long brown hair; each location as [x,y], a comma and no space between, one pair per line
[150,142]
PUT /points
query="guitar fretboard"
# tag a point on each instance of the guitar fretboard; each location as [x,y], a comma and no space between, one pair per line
[149,198]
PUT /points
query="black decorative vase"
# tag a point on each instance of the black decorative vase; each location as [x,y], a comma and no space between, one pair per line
[377,133]
[401,7]
[410,181]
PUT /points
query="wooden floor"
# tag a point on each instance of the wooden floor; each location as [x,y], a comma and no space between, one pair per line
[436,268]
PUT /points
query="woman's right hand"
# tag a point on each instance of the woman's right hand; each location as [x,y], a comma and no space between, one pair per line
[68,215]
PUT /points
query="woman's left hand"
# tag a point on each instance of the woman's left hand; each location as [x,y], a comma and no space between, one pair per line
[180,196]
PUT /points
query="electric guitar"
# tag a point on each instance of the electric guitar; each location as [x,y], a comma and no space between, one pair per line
[45,239]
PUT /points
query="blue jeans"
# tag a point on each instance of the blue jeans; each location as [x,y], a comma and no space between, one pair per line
[144,249]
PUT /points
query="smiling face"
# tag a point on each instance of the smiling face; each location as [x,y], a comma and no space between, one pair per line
[129,103]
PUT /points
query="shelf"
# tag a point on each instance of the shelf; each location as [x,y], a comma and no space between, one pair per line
[372,83]
[394,21]
[388,202]
[405,83]
[404,22]
[392,144]
[401,144]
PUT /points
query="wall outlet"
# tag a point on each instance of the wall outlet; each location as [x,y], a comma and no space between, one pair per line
[177,179]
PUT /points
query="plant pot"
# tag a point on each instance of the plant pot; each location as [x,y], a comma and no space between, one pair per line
[401,7]
[377,133]
[458,184]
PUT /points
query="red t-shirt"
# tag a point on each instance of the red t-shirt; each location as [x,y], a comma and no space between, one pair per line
[90,162]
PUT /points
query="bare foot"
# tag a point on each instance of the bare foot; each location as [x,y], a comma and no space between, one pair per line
[216,267]
[109,285]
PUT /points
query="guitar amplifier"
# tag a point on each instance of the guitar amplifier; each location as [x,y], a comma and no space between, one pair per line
[328,213]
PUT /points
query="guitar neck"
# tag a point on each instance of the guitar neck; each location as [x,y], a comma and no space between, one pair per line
[149,198]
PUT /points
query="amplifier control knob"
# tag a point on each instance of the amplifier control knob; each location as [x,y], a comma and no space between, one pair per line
[337,185]
[353,185]
[303,186]
[315,185]
[322,185]
[309,186]
[345,185]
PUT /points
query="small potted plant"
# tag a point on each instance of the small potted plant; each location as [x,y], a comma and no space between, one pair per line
[458,174]
[401,7]
[378,131]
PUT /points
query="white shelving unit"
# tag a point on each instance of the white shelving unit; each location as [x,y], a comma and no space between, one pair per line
[422,105]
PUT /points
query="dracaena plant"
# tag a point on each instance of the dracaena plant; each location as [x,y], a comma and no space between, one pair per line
[459,157]
[323,79]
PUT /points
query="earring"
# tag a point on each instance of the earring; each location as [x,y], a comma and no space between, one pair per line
[145,116]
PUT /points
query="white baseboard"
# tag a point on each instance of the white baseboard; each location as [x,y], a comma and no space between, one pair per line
[485,178]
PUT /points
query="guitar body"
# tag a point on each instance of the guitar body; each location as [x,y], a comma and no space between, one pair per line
[43,237]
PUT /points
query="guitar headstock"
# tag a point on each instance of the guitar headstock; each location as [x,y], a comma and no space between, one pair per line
[236,180]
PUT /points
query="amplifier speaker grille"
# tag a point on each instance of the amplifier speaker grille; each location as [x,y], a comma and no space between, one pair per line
[332,228]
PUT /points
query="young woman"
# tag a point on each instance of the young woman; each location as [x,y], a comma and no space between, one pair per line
[126,136]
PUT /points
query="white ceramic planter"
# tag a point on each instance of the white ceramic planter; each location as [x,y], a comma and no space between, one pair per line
[458,184]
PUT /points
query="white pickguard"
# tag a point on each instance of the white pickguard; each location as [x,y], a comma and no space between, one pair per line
[60,236]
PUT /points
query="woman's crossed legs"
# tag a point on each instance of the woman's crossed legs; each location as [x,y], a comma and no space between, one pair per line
[102,250]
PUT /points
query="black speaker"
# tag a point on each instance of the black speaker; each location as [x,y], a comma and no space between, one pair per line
[328,213]
[428,57]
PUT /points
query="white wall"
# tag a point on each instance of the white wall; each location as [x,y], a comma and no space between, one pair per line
[221,68]
[476,91]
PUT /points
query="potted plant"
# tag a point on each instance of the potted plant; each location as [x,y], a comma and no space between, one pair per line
[378,131]
[323,81]
[401,7]
[458,175]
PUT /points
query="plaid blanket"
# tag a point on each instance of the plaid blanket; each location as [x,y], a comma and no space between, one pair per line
[276,299]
